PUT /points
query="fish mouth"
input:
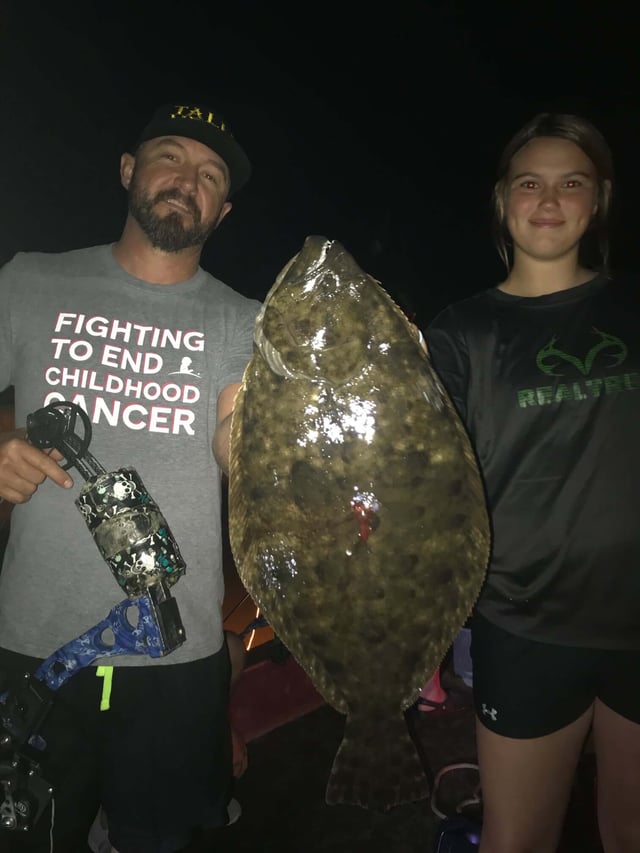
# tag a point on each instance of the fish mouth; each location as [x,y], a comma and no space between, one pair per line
[311,325]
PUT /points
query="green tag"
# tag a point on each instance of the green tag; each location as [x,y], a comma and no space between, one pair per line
[105,672]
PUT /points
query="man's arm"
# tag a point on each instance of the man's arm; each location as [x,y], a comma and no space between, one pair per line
[220,443]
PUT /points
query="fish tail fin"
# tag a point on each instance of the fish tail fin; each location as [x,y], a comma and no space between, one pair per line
[377,765]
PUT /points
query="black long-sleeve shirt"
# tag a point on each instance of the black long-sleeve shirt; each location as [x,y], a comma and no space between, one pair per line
[549,389]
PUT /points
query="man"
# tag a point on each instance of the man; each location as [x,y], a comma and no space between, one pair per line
[110,329]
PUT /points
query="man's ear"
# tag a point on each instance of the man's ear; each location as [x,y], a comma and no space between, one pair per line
[226,208]
[127,162]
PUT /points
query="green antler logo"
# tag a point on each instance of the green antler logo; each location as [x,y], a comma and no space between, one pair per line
[550,357]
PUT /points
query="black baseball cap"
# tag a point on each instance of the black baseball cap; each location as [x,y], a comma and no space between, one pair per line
[200,122]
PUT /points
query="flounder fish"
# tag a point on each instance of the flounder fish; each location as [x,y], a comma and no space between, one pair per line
[357,517]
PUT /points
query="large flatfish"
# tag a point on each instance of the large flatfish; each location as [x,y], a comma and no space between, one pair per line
[357,517]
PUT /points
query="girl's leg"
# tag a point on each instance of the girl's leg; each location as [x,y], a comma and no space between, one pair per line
[526,785]
[617,745]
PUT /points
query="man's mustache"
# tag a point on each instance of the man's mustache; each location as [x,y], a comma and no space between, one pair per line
[187,201]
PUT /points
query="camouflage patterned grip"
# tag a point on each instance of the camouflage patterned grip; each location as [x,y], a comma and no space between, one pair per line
[130,531]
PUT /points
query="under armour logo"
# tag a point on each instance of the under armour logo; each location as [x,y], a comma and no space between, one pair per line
[490,712]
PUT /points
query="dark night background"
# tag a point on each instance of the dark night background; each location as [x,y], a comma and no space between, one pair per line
[377,125]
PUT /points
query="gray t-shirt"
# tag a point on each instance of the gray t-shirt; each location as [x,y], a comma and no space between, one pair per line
[146,362]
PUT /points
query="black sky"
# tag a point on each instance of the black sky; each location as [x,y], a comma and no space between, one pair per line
[377,126]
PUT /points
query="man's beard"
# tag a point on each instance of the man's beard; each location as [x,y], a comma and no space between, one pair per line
[167,233]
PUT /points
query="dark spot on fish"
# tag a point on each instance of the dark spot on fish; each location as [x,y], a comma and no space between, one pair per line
[320,639]
[258,493]
[301,473]
[335,668]
[370,634]
[350,451]
[374,592]
[418,460]
[412,659]
[310,488]
[455,487]
[443,575]
[410,512]
[328,571]
[304,609]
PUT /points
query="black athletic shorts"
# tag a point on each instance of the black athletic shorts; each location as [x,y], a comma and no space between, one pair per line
[526,689]
[158,759]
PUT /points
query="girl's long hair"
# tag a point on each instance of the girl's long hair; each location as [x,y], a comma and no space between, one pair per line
[594,246]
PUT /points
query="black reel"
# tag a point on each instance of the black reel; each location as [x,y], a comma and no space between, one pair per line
[24,794]
[54,426]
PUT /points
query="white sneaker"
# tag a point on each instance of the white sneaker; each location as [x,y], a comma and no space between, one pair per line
[234,810]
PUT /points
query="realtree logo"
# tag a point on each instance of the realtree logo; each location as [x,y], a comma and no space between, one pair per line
[550,357]
[608,352]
